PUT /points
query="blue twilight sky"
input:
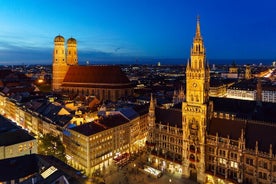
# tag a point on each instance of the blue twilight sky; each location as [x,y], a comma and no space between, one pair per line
[121,30]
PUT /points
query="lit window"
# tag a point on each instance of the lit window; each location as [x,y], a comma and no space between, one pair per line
[234,164]
[222,161]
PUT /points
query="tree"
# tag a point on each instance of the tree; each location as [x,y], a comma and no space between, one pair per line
[51,145]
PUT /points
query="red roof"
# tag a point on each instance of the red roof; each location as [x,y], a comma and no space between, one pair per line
[93,85]
[96,74]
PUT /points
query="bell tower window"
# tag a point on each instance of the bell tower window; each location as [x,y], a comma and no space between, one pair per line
[200,64]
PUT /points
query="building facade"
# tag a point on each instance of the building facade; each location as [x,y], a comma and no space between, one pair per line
[60,67]
[196,110]
[247,74]
[94,146]
[213,140]
[104,82]
[241,93]
[252,89]
[15,141]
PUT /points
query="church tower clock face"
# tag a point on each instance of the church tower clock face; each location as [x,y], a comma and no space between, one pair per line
[194,84]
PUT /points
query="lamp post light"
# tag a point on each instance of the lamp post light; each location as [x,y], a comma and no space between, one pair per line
[134,165]
[170,180]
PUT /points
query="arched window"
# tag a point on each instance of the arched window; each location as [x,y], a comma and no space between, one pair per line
[192,148]
[192,157]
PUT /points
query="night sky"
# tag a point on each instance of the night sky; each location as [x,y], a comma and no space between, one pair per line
[131,31]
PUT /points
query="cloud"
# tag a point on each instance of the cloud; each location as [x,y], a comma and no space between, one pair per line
[14,54]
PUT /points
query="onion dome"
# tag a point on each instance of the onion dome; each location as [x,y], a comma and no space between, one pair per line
[59,39]
[71,41]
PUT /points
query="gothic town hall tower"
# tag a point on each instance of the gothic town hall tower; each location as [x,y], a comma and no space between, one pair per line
[196,111]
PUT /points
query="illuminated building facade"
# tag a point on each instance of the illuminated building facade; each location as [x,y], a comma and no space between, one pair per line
[94,146]
[269,95]
[248,74]
[233,72]
[196,110]
[218,90]
[15,141]
[213,140]
[178,96]
[60,66]
[252,89]
[104,82]
[244,93]
[233,68]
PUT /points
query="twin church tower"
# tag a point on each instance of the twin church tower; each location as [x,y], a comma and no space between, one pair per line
[102,81]
[63,58]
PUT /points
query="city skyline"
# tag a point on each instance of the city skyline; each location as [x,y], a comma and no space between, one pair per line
[119,31]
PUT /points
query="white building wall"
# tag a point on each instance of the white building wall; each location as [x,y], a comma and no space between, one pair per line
[19,149]
[269,96]
[241,94]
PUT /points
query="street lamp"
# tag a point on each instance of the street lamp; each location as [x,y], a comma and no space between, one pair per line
[134,165]
[170,180]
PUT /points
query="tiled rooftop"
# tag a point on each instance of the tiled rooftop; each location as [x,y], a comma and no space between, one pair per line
[173,117]
[96,74]
[12,134]
[102,124]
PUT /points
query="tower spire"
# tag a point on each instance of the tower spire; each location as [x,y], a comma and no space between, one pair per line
[198,35]
[152,104]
